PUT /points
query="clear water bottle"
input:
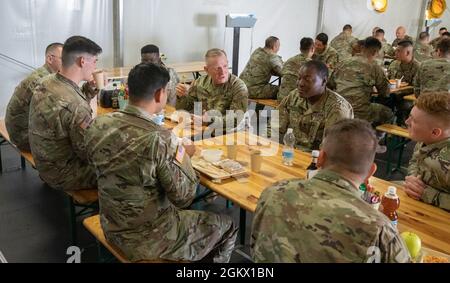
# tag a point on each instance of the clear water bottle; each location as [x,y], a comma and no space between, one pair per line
[288,149]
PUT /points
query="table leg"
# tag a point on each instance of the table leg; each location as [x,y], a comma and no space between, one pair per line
[242,222]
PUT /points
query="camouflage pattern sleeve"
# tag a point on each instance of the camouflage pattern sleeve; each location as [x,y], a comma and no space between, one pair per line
[417,82]
[171,87]
[89,91]
[412,167]
[284,115]
[178,179]
[381,82]
[393,247]
[187,102]
[277,65]
[331,84]
[436,197]
[77,120]
[239,96]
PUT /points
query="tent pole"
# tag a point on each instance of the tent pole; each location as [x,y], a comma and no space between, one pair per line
[118,32]
[320,17]
[421,24]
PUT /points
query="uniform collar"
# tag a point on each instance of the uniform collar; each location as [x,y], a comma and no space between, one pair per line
[138,112]
[316,107]
[72,84]
[47,68]
[427,148]
[338,180]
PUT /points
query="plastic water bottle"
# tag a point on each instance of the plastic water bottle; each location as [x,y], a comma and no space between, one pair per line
[288,149]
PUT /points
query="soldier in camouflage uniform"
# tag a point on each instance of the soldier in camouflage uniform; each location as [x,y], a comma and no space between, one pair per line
[405,67]
[343,43]
[217,92]
[262,65]
[428,177]
[386,50]
[149,180]
[150,54]
[324,219]
[423,50]
[435,41]
[355,79]
[18,110]
[434,74]
[325,53]
[292,67]
[400,32]
[59,115]
[312,108]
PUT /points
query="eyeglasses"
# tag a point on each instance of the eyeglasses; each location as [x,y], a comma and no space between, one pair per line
[59,57]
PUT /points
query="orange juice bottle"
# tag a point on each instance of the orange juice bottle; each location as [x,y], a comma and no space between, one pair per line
[390,203]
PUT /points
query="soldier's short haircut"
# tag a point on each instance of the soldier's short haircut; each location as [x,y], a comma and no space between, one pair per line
[436,104]
[150,48]
[320,67]
[306,43]
[347,27]
[442,28]
[76,46]
[372,44]
[444,46]
[351,144]
[322,37]
[405,43]
[423,35]
[271,41]
[380,30]
[52,46]
[214,52]
[145,79]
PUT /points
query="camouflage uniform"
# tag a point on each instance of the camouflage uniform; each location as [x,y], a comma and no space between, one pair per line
[354,79]
[310,121]
[433,75]
[321,220]
[17,112]
[422,52]
[290,73]
[171,87]
[408,71]
[396,41]
[59,115]
[329,56]
[343,45]
[431,163]
[143,190]
[435,41]
[386,50]
[258,71]
[231,95]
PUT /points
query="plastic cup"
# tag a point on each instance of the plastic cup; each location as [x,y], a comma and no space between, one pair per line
[255,161]
[99,78]
[398,83]
[232,151]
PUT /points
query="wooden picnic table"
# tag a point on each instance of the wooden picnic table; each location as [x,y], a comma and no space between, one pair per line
[432,224]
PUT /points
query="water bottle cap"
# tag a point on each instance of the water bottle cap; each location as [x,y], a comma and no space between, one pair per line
[315,153]
[289,130]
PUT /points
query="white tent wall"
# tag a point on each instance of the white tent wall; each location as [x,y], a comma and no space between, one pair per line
[28,26]
[356,13]
[434,32]
[184,30]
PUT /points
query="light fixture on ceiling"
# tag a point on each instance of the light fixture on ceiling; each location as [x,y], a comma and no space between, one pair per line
[435,9]
[378,6]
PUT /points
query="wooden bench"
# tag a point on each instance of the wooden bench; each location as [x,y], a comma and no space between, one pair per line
[410,97]
[85,200]
[24,155]
[93,225]
[396,138]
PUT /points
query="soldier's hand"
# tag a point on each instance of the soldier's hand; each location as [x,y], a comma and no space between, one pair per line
[190,149]
[414,187]
[182,89]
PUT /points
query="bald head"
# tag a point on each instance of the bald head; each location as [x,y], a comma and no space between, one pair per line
[350,144]
[400,32]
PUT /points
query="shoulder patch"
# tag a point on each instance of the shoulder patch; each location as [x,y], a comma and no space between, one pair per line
[87,121]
